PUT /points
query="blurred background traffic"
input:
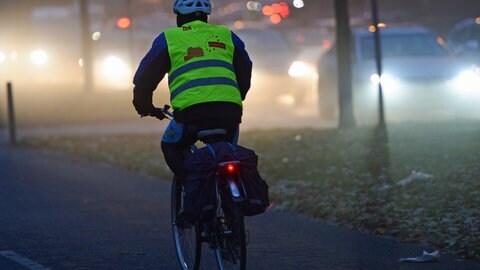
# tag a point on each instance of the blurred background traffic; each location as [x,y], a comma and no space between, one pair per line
[72,61]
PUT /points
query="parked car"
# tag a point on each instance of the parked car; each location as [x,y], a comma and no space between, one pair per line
[420,77]
[279,78]
[464,40]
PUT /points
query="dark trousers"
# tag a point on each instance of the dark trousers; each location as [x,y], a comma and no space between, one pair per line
[179,137]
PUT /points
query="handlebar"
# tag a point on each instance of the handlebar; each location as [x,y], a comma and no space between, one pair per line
[166,112]
[161,113]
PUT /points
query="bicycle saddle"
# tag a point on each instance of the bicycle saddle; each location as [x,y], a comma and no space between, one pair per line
[211,132]
[212,135]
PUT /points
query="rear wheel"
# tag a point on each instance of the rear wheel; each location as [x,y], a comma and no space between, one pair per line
[186,237]
[230,251]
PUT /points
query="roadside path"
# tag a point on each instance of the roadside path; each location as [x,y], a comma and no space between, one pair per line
[62,213]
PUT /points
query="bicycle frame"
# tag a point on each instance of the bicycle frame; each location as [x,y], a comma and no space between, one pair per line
[227,228]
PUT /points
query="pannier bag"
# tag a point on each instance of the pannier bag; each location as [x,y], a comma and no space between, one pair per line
[200,183]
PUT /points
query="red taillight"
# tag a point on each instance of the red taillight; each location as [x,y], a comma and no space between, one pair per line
[229,167]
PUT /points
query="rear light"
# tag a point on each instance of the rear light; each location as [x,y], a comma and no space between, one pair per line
[229,175]
[229,167]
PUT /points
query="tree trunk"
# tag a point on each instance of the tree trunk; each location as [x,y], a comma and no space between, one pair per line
[346,117]
[86,46]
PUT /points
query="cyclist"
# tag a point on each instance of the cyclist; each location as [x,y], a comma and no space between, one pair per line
[209,74]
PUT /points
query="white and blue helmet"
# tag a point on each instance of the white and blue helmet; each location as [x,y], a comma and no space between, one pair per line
[191,6]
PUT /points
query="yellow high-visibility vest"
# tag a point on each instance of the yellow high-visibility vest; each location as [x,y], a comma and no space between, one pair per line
[201,69]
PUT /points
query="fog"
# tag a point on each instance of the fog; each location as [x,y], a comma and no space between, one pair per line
[434,76]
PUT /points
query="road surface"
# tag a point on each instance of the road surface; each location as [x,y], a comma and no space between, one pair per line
[63,213]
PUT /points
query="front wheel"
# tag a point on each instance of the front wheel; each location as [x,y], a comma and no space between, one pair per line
[186,237]
[230,251]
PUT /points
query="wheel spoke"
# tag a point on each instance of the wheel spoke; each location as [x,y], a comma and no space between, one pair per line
[186,239]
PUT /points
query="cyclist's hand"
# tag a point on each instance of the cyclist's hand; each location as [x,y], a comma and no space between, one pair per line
[158,113]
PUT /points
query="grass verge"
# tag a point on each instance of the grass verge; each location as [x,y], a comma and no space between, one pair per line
[416,182]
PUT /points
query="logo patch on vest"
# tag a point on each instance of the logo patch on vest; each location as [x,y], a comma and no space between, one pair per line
[213,44]
[193,52]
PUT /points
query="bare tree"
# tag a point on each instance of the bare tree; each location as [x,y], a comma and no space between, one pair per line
[343,31]
[86,46]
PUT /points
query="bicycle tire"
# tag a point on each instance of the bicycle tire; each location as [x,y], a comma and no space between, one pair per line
[231,251]
[186,238]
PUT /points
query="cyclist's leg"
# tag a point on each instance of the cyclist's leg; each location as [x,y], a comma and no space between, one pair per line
[175,140]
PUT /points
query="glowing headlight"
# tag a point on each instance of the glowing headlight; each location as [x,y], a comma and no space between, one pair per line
[468,79]
[299,69]
[386,80]
[113,66]
[466,84]
[3,57]
[38,57]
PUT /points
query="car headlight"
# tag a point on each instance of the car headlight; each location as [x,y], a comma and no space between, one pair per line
[467,79]
[38,57]
[114,67]
[387,80]
[299,69]
[3,57]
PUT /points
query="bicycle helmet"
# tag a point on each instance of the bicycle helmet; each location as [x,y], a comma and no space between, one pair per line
[191,6]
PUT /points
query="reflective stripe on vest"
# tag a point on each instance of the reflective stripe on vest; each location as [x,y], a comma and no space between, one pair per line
[203,82]
[201,70]
[199,64]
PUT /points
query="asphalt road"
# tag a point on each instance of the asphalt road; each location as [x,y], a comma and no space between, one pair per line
[62,213]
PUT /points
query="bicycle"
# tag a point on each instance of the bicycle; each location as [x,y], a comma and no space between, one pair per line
[225,232]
